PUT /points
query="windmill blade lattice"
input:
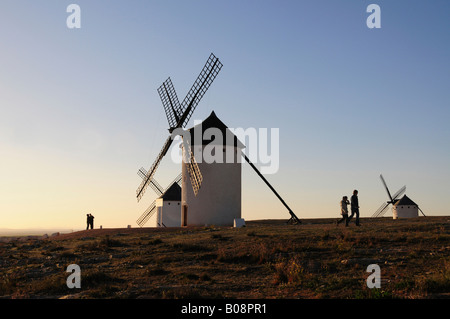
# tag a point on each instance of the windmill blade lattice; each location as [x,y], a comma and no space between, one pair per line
[170,102]
[149,212]
[382,210]
[194,173]
[153,183]
[146,181]
[200,86]
[399,193]
[174,110]
[385,186]
[177,179]
[392,199]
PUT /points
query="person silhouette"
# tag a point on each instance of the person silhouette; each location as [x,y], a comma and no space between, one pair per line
[90,221]
[354,207]
[344,211]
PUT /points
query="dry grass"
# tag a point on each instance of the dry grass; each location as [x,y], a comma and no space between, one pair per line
[266,259]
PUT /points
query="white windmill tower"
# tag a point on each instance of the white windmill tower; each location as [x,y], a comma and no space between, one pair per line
[405,208]
[218,155]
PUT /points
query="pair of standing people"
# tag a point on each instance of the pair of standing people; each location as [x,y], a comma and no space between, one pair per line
[90,221]
[354,206]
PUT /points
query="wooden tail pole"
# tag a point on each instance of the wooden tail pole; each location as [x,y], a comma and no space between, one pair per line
[294,219]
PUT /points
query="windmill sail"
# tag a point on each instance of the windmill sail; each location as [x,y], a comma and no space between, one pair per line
[385,186]
[149,212]
[381,211]
[153,183]
[383,208]
[170,102]
[392,199]
[177,179]
[194,173]
[198,89]
[141,189]
[399,193]
[178,116]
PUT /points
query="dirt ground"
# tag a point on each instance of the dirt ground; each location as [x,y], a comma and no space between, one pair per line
[265,260]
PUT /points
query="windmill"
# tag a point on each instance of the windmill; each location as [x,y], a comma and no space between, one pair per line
[405,208]
[178,116]
[398,204]
[151,210]
[393,199]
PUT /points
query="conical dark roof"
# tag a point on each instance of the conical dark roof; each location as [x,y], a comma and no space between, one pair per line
[212,121]
[405,201]
[172,193]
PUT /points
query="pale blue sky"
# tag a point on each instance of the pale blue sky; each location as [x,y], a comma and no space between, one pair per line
[80,113]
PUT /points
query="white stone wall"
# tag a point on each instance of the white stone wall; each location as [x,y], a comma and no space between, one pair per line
[404,211]
[218,201]
[168,213]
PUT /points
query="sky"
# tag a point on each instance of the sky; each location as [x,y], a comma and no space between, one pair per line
[80,114]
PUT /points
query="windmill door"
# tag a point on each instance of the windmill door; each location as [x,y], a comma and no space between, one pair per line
[184,212]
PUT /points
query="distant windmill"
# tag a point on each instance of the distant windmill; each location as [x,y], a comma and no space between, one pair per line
[151,210]
[405,208]
[397,203]
[383,208]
